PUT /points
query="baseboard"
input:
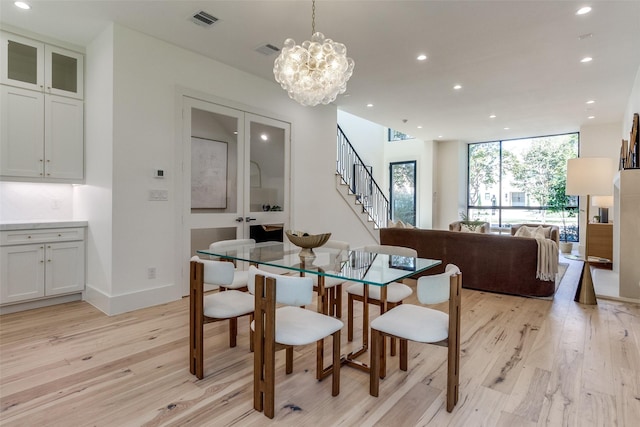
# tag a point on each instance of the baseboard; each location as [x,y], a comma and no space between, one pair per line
[46,302]
[117,304]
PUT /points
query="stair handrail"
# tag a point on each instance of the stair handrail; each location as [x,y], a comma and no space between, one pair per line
[355,174]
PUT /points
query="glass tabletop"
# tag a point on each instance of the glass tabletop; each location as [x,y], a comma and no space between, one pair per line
[356,265]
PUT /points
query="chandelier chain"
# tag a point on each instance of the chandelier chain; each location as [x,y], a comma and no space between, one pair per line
[313,17]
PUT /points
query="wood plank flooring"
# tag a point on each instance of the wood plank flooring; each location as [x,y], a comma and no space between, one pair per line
[524,362]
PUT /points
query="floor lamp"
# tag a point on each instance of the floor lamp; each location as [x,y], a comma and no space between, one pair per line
[588,176]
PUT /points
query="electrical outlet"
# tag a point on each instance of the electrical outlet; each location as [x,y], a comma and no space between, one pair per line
[151,273]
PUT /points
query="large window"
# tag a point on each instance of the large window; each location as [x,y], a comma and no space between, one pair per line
[523,181]
[403,191]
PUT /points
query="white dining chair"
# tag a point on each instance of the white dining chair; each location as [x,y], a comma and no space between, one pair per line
[396,292]
[214,307]
[240,277]
[332,285]
[408,322]
[286,327]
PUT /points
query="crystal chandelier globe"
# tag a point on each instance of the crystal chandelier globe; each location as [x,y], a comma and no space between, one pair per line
[316,71]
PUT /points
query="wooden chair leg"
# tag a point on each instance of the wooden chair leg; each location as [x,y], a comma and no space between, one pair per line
[335,376]
[338,289]
[403,355]
[289,360]
[374,363]
[251,344]
[350,318]
[233,332]
[196,304]
[319,359]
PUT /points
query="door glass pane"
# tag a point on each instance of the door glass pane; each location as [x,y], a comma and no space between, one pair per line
[214,162]
[266,167]
[403,191]
[22,62]
[64,72]
[201,238]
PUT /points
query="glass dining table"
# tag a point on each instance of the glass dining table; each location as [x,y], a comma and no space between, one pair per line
[356,266]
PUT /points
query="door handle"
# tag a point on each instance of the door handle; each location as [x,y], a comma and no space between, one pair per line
[249,219]
[240,219]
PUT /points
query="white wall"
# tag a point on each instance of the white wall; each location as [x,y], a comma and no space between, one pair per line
[422,153]
[143,77]
[93,201]
[451,182]
[32,201]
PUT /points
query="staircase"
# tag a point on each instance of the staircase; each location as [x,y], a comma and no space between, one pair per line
[357,186]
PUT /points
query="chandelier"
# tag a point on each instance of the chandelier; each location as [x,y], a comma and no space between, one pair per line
[316,71]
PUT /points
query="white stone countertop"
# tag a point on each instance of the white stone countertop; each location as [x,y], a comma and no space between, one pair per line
[41,224]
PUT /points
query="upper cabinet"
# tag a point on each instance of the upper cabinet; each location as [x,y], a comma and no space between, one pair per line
[41,111]
[34,65]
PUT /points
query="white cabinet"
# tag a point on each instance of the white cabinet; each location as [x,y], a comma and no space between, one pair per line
[42,136]
[42,263]
[31,64]
[41,111]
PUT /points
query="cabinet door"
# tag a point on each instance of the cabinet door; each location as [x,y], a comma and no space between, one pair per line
[64,72]
[22,133]
[64,138]
[21,273]
[64,268]
[22,62]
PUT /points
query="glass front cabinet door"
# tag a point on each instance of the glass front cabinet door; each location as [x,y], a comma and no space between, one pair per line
[34,65]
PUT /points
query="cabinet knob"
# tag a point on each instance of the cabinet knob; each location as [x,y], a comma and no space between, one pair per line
[28,237]
[59,235]
[48,260]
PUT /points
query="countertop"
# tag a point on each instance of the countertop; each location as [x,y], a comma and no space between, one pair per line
[41,224]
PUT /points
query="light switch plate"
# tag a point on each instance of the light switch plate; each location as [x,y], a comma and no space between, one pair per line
[158,195]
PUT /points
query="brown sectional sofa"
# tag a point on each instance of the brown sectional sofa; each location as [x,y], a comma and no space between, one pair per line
[489,262]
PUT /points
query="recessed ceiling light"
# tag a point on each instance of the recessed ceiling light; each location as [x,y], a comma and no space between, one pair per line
[439,136]
[591,101]
[264,137]
[583,10]
[369,105]
[591,117]
[419,127]
[457,87]
[586,59]
[506,128]
[421,57]
[493,116]
[22,5]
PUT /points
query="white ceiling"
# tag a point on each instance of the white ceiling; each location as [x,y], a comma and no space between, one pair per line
[519,60]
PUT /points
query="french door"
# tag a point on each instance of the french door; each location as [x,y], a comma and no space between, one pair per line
[235,176]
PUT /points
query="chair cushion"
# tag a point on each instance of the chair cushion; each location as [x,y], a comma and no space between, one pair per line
[413,322]
[298,326]
[227,304]
[396,292]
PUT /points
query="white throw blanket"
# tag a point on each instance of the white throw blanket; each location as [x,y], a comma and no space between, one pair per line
[547,260]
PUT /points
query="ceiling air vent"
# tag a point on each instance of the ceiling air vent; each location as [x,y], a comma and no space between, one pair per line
[268,49]
[204,19]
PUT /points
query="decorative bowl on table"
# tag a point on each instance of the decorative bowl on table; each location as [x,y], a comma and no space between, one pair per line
[307,242]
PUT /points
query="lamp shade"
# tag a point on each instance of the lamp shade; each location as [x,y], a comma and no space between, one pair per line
[589,176]
[602,201]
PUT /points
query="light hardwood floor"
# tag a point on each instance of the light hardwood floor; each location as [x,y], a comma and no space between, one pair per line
[524,362]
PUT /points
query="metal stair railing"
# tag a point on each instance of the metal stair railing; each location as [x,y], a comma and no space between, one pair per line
[357,176]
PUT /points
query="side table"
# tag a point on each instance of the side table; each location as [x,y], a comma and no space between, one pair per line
[585,294]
